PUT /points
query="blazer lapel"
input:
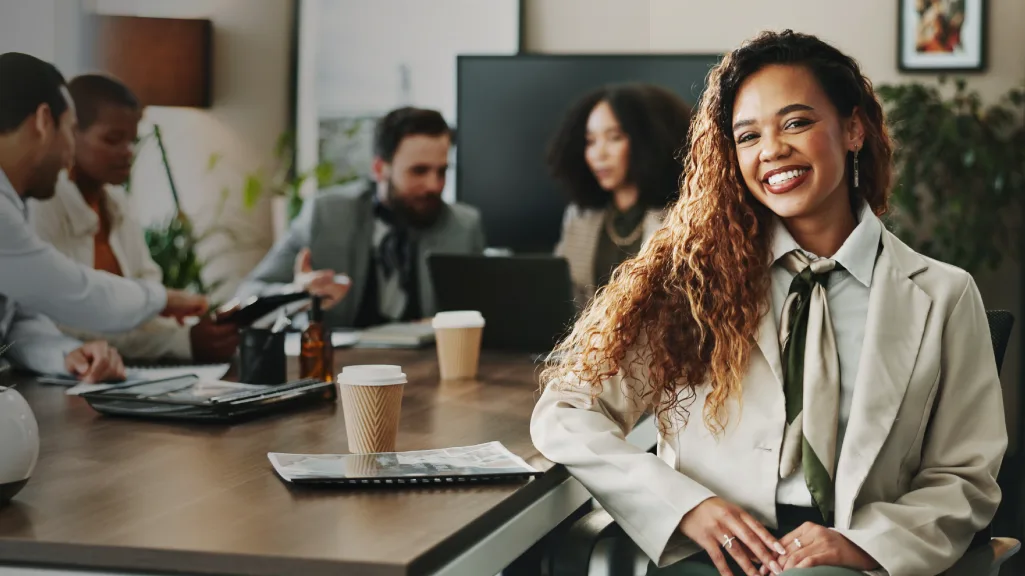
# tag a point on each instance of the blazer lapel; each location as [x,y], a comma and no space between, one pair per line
[432,240]
[360,242]
[590,230]
[897,314]
[768,343]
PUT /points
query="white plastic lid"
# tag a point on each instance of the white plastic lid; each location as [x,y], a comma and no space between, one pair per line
[372,375]
[458,319]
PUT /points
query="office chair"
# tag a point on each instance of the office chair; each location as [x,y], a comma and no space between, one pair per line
[595,541]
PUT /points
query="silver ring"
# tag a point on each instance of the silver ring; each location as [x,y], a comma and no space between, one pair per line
[797,542]
[727,541]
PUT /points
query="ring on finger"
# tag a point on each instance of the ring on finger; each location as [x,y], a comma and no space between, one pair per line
[797,542]
[728,541]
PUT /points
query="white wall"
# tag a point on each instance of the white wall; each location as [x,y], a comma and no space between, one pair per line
[28,27]
[363,45]
[251,64]
[46,29]
[866,30]
[360,59]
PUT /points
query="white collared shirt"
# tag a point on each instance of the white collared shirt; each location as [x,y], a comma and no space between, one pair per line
[70,225]
[847,294]
[42,280]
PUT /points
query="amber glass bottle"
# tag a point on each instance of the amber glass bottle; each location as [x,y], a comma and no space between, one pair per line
[316,357]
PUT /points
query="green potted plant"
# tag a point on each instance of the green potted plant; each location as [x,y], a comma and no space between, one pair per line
[174,244]
[960,170]
[284,181]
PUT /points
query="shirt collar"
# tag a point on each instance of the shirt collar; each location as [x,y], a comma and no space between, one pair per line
[7,190]
[857,254]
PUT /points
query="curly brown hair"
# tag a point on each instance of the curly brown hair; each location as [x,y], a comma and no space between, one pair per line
[687,308]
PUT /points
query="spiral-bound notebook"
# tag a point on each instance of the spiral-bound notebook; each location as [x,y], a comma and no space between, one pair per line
[491,462]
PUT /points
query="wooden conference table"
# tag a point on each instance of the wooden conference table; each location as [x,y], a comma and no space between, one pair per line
[139,497]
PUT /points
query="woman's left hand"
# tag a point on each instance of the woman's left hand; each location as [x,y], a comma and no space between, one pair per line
[813,545]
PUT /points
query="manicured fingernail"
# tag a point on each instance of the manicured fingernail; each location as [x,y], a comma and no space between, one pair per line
[775,568]
[780,549]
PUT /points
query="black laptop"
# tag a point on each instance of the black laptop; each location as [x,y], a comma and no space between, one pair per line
[526,301]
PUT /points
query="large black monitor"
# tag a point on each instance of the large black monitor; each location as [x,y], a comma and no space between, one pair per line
[508,109]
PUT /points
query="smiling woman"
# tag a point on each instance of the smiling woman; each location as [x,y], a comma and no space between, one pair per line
[794,156]
[813,345]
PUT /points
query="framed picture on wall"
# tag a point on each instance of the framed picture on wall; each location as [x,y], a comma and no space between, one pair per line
[941,35]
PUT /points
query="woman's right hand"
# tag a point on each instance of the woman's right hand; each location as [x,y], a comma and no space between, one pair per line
[715,521]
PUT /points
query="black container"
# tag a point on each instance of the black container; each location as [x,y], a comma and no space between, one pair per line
[262,357]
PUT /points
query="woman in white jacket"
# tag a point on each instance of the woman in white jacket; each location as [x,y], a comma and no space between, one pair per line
[827,398]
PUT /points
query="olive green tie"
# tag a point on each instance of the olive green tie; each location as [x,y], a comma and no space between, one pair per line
[811,379]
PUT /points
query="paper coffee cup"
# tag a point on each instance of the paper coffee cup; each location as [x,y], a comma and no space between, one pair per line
[458,336]
[371,402]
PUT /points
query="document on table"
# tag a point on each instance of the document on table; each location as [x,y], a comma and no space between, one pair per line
[206,372]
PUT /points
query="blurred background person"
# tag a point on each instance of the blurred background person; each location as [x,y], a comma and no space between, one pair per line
[37,141]
[91,221]
[32,342]
[363,246]
[616,153]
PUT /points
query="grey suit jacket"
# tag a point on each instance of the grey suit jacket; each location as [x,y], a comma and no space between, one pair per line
[337,225]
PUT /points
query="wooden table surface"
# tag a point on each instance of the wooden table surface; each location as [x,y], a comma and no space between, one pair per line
[133,495]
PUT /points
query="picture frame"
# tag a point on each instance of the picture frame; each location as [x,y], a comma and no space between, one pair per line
[942,35]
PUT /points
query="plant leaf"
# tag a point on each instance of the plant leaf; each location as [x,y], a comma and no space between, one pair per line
[213,160]
[325,174]
[251,191]
[283,145]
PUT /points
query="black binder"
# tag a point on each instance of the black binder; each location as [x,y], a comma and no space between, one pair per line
[192,399]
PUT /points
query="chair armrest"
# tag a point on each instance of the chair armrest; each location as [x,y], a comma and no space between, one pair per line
[572,556]
[985,560]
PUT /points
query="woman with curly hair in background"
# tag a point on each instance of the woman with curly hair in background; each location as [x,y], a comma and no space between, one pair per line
[811,375]
[617,155]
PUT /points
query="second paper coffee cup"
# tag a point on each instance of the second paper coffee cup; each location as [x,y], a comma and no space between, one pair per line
[458,336]
[372,405]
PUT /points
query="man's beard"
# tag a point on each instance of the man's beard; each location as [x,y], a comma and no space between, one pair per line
[43,184]
[422,214]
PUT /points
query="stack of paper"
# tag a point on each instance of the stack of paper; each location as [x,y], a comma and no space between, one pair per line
[206,372]
[397,335]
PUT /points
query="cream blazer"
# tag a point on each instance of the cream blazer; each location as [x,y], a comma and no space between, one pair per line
[581,228]
[916,476]
[67,222]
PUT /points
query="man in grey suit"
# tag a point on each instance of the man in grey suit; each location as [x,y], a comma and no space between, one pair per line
[363,246]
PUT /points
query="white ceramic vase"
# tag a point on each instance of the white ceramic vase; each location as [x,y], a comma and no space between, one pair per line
[19,443]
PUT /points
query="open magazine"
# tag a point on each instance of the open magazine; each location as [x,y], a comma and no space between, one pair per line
[489,462]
